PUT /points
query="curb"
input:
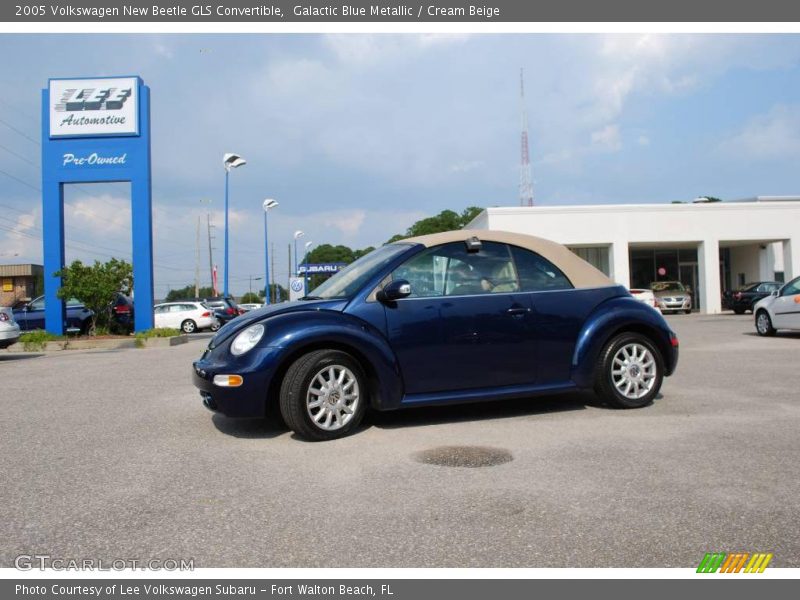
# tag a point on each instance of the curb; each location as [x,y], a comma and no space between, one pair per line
[113,344]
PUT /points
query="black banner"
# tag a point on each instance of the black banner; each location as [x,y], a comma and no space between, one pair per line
[395,589]
[316,11]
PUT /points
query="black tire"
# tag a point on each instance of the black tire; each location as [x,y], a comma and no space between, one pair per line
[688,312]
[765,328]
[216,326]
[296,389]
[738,311]
[188,326]
[604,377]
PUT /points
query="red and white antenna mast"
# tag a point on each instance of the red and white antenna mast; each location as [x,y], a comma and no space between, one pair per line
[525,184]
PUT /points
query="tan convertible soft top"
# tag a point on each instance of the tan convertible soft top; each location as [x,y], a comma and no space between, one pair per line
[577,270]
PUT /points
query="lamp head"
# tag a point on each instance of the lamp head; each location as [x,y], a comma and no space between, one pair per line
[298,234]
[269,203]
[231,160]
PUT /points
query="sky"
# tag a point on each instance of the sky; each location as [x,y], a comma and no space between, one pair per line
[358,136]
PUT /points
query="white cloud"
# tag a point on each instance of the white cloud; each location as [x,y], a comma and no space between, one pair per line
[774,135]
[371,49]
[607,139]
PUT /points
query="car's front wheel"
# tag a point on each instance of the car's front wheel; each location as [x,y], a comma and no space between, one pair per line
[323,395]
[629,371]
[188,326]
[764,323]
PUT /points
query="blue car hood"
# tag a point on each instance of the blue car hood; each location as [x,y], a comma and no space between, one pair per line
[254,316]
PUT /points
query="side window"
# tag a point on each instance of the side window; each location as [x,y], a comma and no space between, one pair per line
[37,304]
[159,310]
[449,270]
[536,273]
[791,288]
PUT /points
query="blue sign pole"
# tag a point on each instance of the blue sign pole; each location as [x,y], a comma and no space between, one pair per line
[225,284]
[96,130]
[267,290]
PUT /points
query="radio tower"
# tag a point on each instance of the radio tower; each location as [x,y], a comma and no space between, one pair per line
[525,184]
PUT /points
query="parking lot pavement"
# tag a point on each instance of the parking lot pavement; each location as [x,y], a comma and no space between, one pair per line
[110,455]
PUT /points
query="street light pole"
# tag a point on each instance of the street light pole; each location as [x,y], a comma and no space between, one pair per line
[267,204]
[305,260]
[297,235]
[229,161]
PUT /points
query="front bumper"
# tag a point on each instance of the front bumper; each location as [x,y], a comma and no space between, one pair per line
[256,368]
[675,304]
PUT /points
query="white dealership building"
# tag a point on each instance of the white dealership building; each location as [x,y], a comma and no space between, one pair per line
[708,246]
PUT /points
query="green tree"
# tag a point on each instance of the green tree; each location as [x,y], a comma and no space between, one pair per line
[250,298]
[187,292]
[96,285]
[447,220]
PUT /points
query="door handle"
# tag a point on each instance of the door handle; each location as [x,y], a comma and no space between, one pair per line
[515,311]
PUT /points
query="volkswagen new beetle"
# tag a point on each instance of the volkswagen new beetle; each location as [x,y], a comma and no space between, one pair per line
[452,317]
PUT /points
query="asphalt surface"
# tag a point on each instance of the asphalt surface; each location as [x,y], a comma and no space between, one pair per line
[109,455]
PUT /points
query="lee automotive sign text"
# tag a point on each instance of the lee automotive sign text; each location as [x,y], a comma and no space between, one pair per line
[94,107]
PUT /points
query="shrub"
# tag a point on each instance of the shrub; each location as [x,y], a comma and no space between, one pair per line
[34,341]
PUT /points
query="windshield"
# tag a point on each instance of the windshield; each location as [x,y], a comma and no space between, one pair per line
[352,278]
[667,286]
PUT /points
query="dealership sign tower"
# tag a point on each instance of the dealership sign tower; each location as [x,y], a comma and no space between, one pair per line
[93,131]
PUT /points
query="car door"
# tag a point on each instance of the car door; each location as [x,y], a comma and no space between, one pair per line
[465,325]
[34,314]
[160,316]
[786,308]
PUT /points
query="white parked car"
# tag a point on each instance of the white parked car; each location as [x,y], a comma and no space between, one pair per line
[186,316]
[9,329]
[250,306]
[780,310]
[645,295]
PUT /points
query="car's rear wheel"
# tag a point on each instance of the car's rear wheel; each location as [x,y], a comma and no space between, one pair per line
[188,326]
[215,325]
[323,395]
[629,371]
[738,311]
[764,324]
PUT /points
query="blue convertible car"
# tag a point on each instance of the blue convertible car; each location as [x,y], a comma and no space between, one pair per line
[451,317]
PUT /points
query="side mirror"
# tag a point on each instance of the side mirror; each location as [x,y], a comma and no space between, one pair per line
[775,293]
[394,290]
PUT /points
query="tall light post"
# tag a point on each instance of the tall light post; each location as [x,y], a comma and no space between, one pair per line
[266,205]
[229,161]
[305,260]
[297,235]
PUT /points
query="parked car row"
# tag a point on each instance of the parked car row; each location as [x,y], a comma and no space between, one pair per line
[187,315]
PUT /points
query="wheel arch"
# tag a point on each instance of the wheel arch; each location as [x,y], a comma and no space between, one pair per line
[611,321]
[368,348]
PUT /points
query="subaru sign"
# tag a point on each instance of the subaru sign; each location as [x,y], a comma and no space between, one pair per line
[320,268]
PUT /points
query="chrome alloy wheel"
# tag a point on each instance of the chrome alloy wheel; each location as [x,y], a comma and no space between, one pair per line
[633,370]
[762,323]
[332,397]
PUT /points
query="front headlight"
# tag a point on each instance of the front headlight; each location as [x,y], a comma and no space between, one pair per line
[247,339]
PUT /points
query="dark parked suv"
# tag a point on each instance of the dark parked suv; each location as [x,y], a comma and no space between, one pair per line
[745,297]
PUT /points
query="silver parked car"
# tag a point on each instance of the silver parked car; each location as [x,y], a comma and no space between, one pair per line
[9,329]
[672,296]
